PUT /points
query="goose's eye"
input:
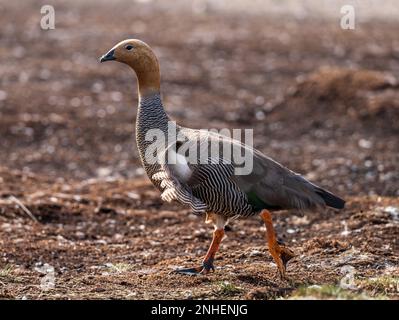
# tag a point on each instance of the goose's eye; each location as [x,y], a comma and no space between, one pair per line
[129,47]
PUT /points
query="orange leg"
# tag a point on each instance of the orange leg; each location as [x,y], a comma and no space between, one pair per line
[280,254]
[207,263]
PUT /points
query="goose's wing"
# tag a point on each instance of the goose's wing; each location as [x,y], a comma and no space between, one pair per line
[271,185]
[268,185]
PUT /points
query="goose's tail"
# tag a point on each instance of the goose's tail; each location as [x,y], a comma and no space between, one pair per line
[330,199]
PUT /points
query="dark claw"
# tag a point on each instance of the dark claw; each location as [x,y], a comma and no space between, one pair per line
[206,267]
[189,271]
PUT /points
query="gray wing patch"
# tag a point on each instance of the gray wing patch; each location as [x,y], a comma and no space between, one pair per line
[278,186]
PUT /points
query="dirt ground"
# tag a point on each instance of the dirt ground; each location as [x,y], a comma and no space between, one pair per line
[321,100]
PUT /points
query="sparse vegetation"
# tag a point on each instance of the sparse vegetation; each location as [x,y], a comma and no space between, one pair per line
[321,101]
[119,267]
[226,288]
[6,272]
[387,285]
[329,292]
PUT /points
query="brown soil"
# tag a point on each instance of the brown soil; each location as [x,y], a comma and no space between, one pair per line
[322,101]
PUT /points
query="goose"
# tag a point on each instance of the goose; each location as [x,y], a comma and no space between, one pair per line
[214,188]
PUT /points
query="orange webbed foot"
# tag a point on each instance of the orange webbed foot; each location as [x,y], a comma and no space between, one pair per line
[280,253]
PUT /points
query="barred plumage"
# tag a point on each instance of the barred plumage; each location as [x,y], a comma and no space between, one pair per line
[217,191]
[213,187]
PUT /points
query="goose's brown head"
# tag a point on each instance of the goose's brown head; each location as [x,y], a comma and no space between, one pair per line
[140,57]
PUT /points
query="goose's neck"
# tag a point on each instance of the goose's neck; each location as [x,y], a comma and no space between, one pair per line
[151,113]
[148,77]
[150,116]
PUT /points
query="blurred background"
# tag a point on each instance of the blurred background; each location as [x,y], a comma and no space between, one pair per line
[322,100]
